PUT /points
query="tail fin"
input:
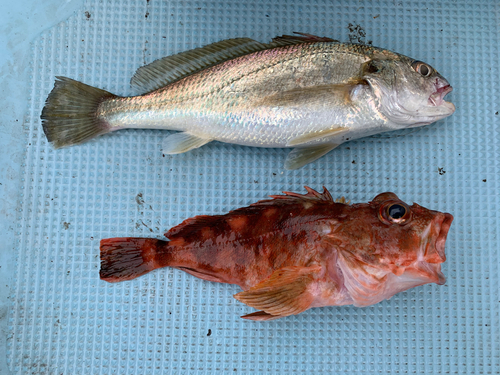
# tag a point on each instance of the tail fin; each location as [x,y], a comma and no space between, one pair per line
[69,116]
[128,257]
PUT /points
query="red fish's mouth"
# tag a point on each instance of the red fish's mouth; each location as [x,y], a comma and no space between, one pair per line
[443,233]
[434,251]
[437,98]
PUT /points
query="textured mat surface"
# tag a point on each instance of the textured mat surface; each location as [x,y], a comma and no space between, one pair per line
[66,321]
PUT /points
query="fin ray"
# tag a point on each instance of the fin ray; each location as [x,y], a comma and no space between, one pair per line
[182,142]
[172,68]
[169,69]
[301,156]
[309,137]
[260,316]
[284,293]
[127,258]
[69,116]
[303,38]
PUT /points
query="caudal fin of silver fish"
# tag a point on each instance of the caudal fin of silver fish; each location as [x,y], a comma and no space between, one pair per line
[70,113]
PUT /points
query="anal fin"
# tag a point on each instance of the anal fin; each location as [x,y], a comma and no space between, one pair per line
[201,275]
[301,156]
[182,142]
[286,292]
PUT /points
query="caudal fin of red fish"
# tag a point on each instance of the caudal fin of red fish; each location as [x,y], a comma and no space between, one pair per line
[128,257]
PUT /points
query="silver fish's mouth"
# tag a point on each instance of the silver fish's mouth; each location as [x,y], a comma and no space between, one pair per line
[437,98]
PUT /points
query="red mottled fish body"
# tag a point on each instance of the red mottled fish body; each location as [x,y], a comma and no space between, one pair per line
[296,252]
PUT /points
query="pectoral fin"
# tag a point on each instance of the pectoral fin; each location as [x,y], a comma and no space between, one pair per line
[182,142]
[285,292]
[260,316]
[301,156]
[317,135]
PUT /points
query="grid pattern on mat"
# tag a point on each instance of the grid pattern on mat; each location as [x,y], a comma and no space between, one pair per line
[65,320]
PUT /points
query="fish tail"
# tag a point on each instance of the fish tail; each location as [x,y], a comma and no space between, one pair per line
[129,257]
[70,113]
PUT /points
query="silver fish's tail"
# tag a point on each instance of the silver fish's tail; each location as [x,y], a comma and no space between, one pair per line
[70,113]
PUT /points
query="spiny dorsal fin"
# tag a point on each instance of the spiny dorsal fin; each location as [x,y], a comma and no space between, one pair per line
[169,69]
[173,68]
[343,201]
[311,195]
[305,38]
[280,205]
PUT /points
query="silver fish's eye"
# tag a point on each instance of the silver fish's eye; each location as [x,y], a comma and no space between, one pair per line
[422,68]
[395,212]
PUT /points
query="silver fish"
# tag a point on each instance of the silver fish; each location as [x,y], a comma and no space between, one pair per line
[304,92]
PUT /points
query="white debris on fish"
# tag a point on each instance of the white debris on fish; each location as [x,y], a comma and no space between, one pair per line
[304,92]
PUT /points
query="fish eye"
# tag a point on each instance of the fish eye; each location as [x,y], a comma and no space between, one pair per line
[395,212]
[422,68]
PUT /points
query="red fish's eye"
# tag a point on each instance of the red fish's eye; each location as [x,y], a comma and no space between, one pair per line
[395,212]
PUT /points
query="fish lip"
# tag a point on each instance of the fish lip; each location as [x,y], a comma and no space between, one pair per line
[443,233]
[437,98]
[441,278]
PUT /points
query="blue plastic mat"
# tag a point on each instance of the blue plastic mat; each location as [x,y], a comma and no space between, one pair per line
[65,320]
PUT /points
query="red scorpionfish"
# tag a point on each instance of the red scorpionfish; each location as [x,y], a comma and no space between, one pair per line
[295,252]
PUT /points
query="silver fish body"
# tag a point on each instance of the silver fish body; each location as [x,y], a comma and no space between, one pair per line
[313,96]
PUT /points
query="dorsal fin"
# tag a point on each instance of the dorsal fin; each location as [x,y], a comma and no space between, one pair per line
[304,38]
[277,208]
[311,195]
[169,69]
[172,68]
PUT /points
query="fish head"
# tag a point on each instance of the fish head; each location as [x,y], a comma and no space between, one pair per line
[387,246]
[409,93]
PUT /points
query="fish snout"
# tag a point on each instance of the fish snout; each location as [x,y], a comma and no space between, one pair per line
[443,233]
[436,253]
[436,99]
[441,278]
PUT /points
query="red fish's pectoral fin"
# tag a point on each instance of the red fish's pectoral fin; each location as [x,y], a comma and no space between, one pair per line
[260,316]
[285,292]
